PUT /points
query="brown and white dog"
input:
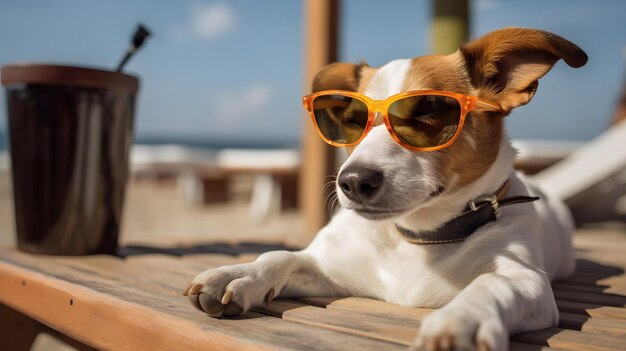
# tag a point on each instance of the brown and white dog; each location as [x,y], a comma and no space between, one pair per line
[493,283]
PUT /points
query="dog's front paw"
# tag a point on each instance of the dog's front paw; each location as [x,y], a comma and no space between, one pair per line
[457,329]
[230,290]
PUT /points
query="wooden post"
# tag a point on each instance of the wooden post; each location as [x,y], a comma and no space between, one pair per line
[318,159]
[450,27]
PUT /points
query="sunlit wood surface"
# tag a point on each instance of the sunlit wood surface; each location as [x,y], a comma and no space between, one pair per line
[136,303]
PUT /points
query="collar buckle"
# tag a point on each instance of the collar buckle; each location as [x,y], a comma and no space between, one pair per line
[493,199]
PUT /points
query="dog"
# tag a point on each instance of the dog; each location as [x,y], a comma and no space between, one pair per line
[386,241]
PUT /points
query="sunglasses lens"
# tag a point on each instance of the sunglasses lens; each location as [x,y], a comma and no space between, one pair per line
[341,119]
[425,120]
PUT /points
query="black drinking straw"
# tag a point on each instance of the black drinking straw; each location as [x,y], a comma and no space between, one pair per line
[138,38]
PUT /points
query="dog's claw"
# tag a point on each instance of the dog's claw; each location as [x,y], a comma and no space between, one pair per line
[195,289]
[227,297]
[186,292]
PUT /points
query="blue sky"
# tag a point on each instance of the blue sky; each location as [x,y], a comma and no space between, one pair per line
[216,69]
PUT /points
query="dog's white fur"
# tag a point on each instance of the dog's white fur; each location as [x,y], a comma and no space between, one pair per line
[494,283]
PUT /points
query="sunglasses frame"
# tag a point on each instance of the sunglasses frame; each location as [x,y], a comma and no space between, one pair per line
[467,103]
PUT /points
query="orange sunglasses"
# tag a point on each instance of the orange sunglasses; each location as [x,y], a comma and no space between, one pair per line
[422,120]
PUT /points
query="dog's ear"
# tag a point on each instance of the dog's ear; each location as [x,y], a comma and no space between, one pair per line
[505,65]
[340,76]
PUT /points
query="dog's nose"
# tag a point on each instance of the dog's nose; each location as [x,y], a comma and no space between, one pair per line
[360,184]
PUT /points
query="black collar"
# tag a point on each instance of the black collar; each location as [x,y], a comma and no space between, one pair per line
[478,212]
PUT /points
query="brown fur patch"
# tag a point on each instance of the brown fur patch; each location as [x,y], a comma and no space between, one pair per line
[504,64]
[366,75]
[474,151]
[437,72]
[340,76]
[477,146]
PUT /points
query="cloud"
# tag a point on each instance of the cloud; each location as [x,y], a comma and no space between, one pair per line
[210,21]
[250,103]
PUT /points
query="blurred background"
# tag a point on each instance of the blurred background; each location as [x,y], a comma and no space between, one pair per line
[219,127]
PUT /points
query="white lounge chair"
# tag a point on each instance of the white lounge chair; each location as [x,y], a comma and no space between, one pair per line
[592,180]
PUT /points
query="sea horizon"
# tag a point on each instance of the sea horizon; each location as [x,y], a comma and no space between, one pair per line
[206,143]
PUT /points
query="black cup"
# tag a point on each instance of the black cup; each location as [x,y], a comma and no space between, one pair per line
[70,132]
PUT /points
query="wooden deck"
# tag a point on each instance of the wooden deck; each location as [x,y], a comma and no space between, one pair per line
[136,303]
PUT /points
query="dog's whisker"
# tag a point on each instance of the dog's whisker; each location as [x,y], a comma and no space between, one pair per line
[332,177]
[327,185]
[328,188]
[333,202]
[329,199]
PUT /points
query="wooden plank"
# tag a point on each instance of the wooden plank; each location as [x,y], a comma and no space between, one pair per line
[596,298]
[220,260]
[183,265]
[370,307]
[173,273]
[136,280]
[390,311]
[600,235]
[147,271]
[603,330]
[585,265]
[347,322]
[107,274]
[614,287]
[519,346]
[592,325]
[572,340]
[338,316]
[592,310]
[97,266]
[595,277]
[124,274]
[601,322]
[603,246]
[92,318]
[122,305]
[602,254]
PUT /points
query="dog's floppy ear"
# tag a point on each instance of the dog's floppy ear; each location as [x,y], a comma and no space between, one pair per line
[339,75]
[505,65]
